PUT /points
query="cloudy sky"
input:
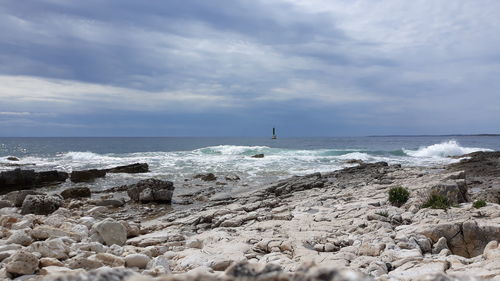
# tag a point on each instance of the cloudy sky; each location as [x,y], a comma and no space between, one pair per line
[239,67]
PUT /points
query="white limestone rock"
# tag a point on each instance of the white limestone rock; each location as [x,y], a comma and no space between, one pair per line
[111,232]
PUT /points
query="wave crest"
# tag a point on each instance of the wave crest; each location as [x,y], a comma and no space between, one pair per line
[444,149]
[85,155]
[232,150]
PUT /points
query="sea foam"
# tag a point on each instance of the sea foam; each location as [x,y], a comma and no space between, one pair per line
[444,149]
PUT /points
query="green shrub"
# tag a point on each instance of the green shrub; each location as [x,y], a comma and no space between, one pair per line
[398,196]
[436,201]
[479,204]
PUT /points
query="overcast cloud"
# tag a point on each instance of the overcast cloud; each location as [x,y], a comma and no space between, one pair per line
[309,67]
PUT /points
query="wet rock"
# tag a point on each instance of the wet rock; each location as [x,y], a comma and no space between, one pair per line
[137,260]
[40,204]
[260,155]
[130,169]
[87,175]
[151,190]
[206,177]
[21,179]
[111,232]
[12,158]
[354,161]
[76,192]
[232,178]
[22,263]
[48,177]
[110,202]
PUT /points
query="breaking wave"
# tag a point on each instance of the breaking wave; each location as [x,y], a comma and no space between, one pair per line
[444,149]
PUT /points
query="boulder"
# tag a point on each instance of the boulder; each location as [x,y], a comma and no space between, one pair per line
[87,175]
[137,260]
[76,192]
[12,158]
[17,197]
[111,232]
[22,263]
[455,191]
[130,169]
[232,178]
[54,248]
[81,261]
[48,177]
[108,259]
[206,177]
[20,237]
[21,179]
[40,204]
[17,179]
[151,190]
[467,239]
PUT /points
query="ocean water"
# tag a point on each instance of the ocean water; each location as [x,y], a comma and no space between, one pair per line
[178,158]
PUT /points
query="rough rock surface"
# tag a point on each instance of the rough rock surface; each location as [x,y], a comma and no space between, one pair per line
[111,232]
[22,179]
[131,169]
[206,177]
[17,197]
[22,263]
[151,190]
[87,175]
[323,226]
[76,192]
[40,204]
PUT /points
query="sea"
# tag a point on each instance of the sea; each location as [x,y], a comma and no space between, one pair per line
[178,159]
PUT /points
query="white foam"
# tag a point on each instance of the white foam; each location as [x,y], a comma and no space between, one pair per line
[231,149]
[444,149]
[85,156]
[355,155]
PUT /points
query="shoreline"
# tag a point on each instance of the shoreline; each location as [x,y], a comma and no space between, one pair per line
[339,221]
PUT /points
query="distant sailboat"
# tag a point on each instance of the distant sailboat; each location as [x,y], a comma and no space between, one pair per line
[274,134]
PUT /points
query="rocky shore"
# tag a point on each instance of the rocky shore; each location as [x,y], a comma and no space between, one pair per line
[330,226]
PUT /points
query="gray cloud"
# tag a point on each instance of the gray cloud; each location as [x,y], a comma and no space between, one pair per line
[380,61]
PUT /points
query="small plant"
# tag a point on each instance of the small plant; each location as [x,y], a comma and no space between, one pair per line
[383,213]
[398,196]
[437,201]
[479,204]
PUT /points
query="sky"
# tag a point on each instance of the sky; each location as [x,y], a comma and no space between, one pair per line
[240,67]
